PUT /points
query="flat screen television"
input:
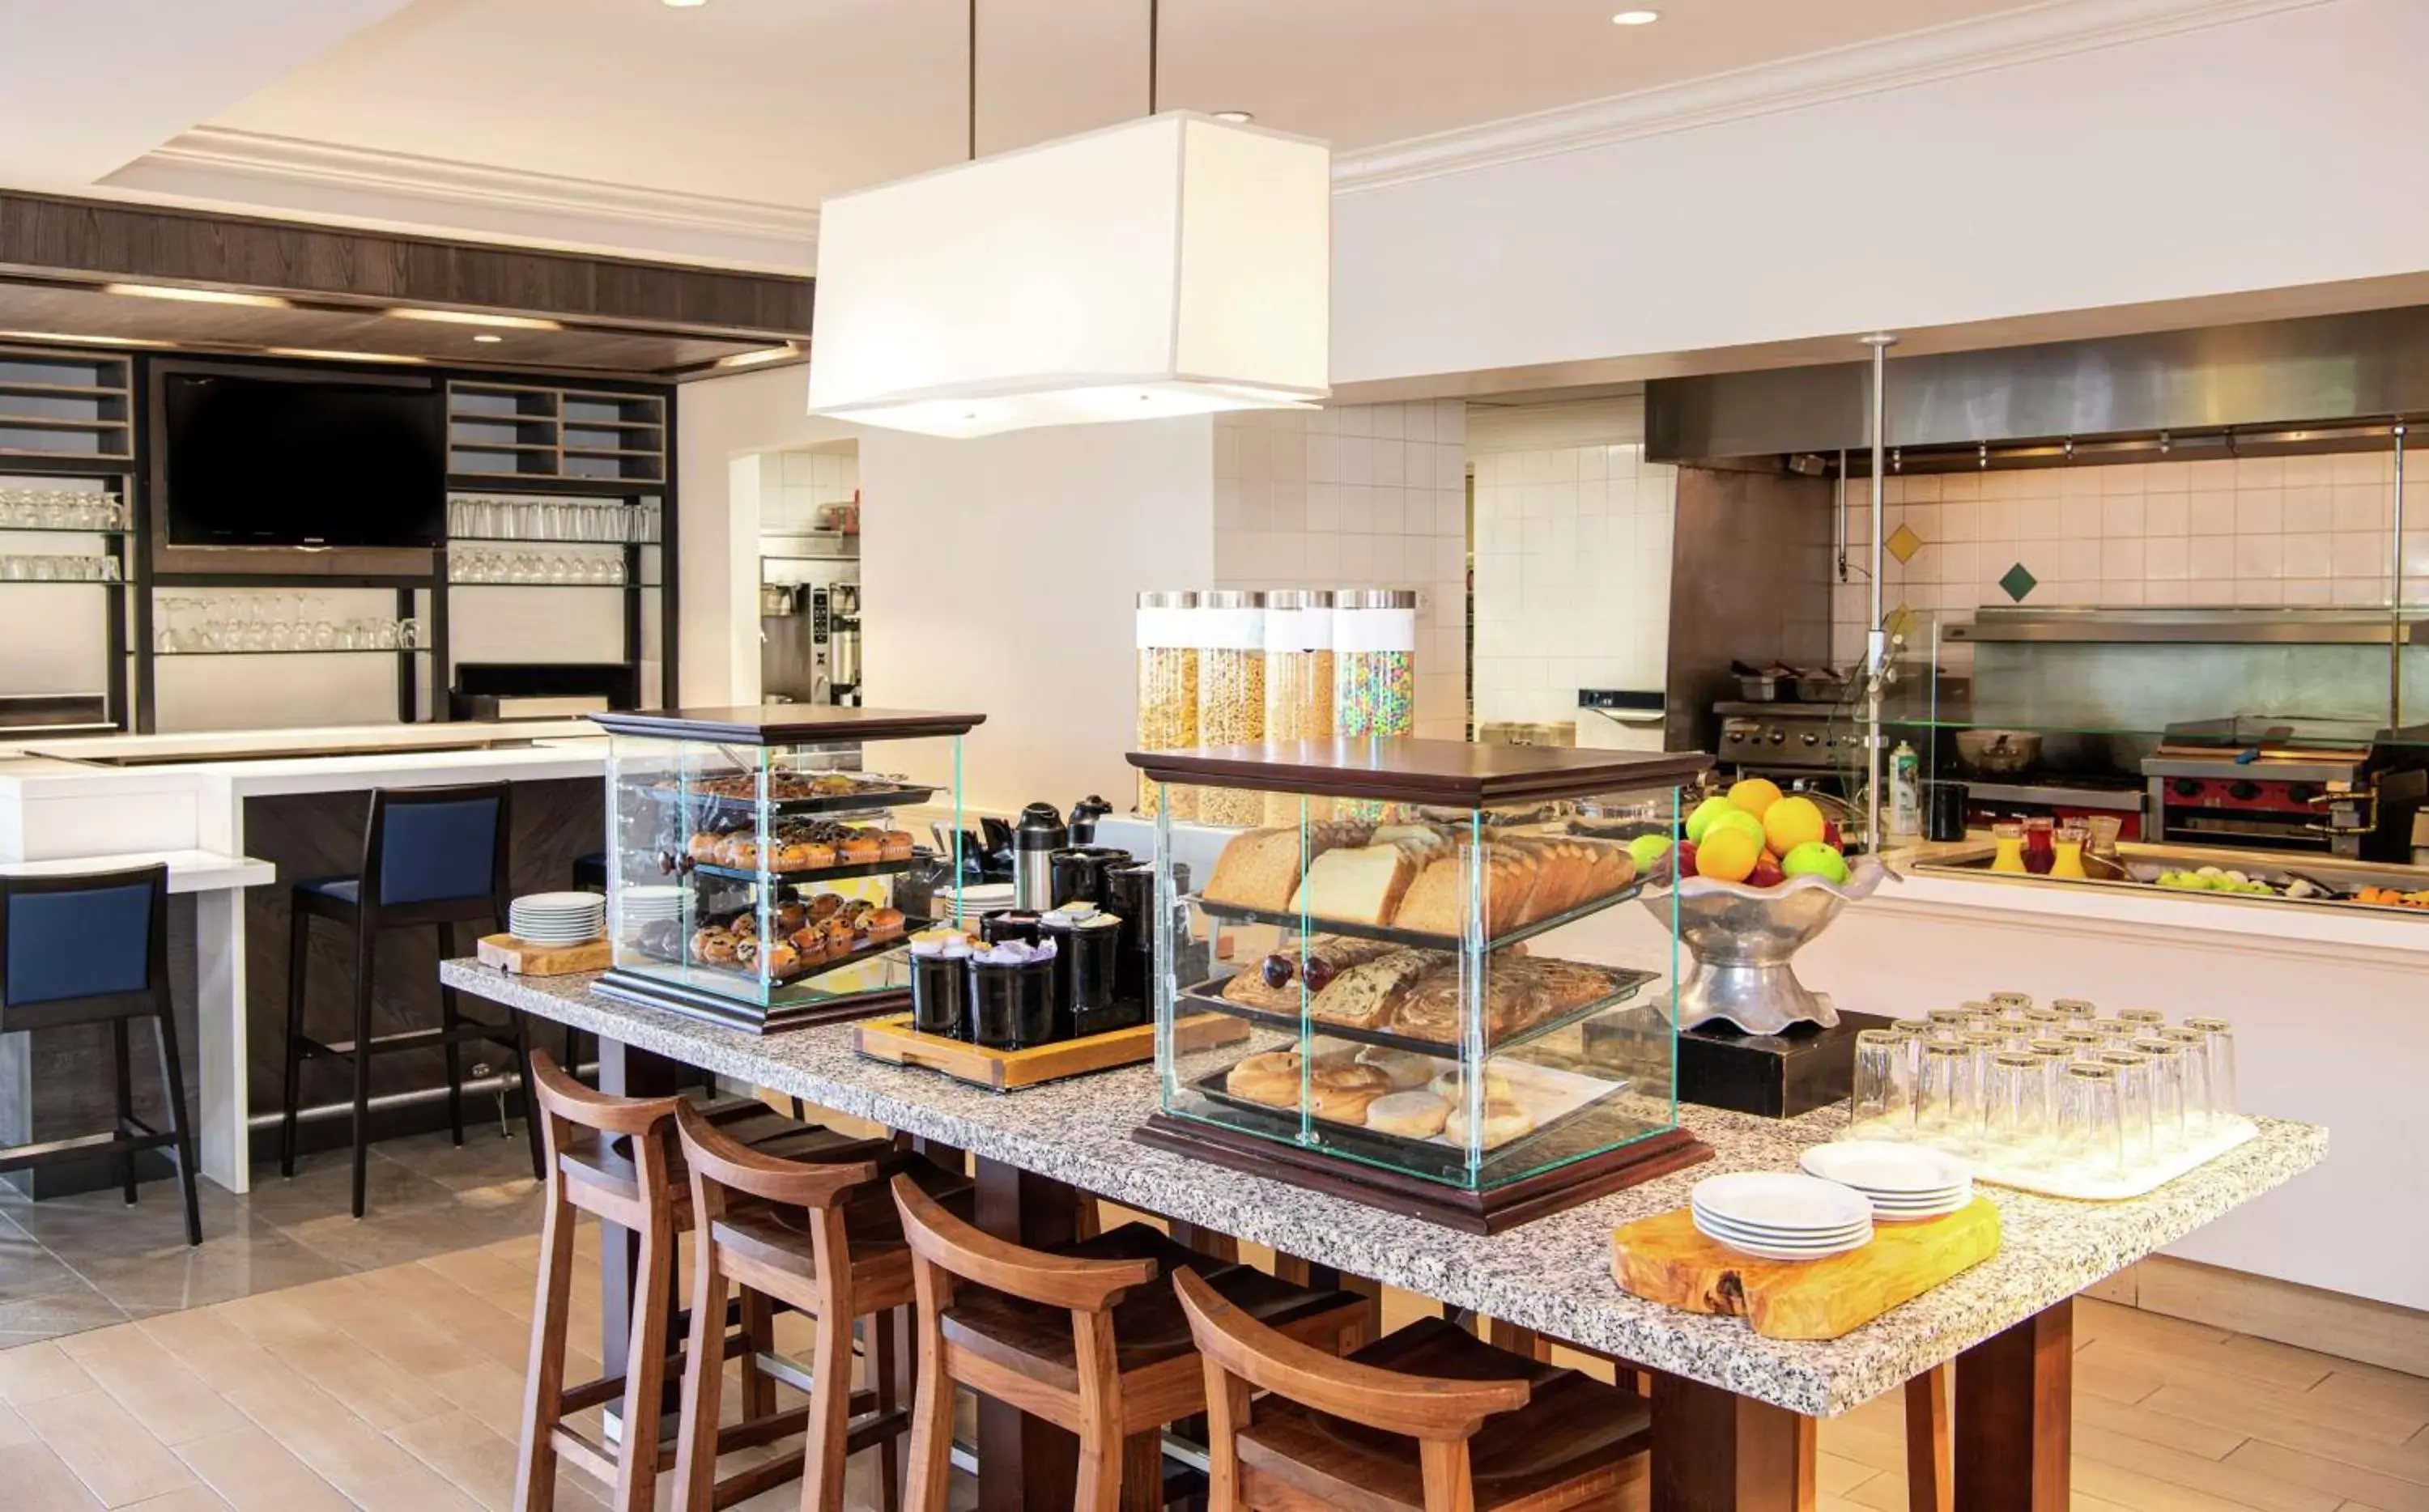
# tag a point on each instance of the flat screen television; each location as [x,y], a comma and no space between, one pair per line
[265,462]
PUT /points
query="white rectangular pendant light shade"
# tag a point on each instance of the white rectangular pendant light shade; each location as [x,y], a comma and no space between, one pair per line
[1171,265]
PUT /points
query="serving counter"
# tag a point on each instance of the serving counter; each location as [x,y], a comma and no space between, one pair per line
[1998,1322]
[289,803]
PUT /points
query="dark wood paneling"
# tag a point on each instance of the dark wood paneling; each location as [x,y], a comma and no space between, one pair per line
[41,233]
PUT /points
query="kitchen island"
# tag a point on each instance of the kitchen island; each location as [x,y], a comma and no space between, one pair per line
[288,799]
[2004,1324]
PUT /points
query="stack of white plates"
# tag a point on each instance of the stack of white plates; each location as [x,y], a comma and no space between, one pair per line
[1905,1183]
[557,918]
[648,905]
[967,903]
[1778,1215]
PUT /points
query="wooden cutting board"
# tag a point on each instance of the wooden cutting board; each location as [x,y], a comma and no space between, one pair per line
[1665,1259]
[509,954]
[894,1039]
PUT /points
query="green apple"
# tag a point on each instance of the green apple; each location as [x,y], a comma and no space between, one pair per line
[1646,850]
[1706,811]
[1815,859]
[1737,818]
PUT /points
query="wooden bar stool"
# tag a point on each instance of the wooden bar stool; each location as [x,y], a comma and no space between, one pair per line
[1083,1335]
[94,948]
[433,858]
[614,1157]
[825,1240]
[1395,1425]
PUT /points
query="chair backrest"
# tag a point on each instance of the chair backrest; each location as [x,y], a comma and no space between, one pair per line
[83,946]
[940,1239]
[425,849]
[1426,1407]
[563,1105]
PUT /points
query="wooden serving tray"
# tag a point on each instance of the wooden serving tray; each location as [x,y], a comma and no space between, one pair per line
[1665,1258]
[511,955]
[893,1039]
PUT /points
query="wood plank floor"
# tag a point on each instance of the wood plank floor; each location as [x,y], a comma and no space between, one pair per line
[398,1388]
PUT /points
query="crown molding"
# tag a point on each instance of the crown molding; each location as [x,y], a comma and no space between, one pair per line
[2051,30]
[285,175]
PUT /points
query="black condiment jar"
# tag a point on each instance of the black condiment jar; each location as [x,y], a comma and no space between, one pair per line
[1009,924]
[1011,1003]
[940,989]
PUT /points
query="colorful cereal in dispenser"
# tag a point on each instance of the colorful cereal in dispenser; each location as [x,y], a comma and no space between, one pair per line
[1167,688]
[1230,692]
[1375,662]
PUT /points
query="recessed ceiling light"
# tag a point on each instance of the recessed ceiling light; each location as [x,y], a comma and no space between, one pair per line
[502,322]
[1238,118]
[66,340]
[197,296]
[486,336]
[683,5]
[319,355]
[1636,18]
[748,359]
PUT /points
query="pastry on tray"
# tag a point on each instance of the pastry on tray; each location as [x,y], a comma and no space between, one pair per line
[1272,1079]
[1416,1114]
[1364,997]
[1505,1119]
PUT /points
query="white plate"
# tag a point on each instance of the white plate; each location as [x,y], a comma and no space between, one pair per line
[1781,1201]
[1885,1168]
[559,900]
[1772,1240]
[1917,1215]
[1783,1230]
[1771,1252]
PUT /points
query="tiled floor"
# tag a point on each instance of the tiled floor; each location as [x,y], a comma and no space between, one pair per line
[73,1263]
[399,1387]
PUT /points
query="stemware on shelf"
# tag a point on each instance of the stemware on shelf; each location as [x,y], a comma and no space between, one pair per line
[61,509]
[472,517]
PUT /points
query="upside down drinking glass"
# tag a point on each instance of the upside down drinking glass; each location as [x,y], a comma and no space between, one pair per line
[1882,1106]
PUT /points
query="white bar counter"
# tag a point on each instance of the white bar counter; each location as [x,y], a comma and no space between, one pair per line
[125,801]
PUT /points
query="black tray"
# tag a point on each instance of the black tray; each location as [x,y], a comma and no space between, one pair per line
[873,800]
[1416,938]
[1209,995]
[823,874]
[1401,1152]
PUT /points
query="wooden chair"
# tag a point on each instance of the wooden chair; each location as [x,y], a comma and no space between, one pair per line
[1395,1425]
[824,1240]
[614,1157]
[1076,1335]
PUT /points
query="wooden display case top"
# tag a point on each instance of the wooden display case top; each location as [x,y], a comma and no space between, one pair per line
[786,724]
[1449,773]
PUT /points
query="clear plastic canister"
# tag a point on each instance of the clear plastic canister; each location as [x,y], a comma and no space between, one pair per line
[1375,662]
[1298,664]
[1231,692]
[1168,688]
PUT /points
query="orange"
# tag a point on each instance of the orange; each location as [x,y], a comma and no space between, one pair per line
[1727,855]
[1793,822]
[1756,795]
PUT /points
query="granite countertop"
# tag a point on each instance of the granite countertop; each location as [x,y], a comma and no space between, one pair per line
[1552,1275]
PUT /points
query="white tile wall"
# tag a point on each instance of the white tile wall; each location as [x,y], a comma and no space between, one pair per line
[2262,530]
[1571,577]
[793,484]
[1356,496]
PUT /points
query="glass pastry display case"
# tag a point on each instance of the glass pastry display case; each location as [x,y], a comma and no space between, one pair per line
[1450,1014]
[753,854]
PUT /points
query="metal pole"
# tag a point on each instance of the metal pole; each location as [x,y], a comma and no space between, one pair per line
[1839,517]
[2395,600]
[1875,638]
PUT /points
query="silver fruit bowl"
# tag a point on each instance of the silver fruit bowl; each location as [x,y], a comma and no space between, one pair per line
[1742,939]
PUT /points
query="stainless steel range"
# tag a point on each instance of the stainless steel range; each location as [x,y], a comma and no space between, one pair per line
[1795,737]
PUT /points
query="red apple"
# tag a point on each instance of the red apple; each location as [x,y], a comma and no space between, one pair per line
[1767,873]
[1831,835]
[1685,852]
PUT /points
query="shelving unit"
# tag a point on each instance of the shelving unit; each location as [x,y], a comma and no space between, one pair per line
[515,433]
[68,404]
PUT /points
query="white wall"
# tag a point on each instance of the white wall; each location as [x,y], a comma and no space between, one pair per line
[1573,531]
[2250,155]
[1006,572]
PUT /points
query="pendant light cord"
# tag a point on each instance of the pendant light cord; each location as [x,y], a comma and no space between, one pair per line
[1154,25]
[974,80]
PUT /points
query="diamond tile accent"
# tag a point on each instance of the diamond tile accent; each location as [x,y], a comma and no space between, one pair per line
[2017,582]
[1898,622]
[1903,543]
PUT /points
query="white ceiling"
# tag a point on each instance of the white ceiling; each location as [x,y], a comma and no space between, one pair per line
[789,101]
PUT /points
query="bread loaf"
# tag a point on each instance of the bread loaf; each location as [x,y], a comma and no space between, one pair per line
[1364,997]
[1362,886]
[1258,869]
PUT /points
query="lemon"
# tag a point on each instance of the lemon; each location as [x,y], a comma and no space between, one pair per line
[1793,822]
[1727,854]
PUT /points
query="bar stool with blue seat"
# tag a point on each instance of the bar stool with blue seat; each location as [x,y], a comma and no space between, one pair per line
[94,948]
[433,857]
